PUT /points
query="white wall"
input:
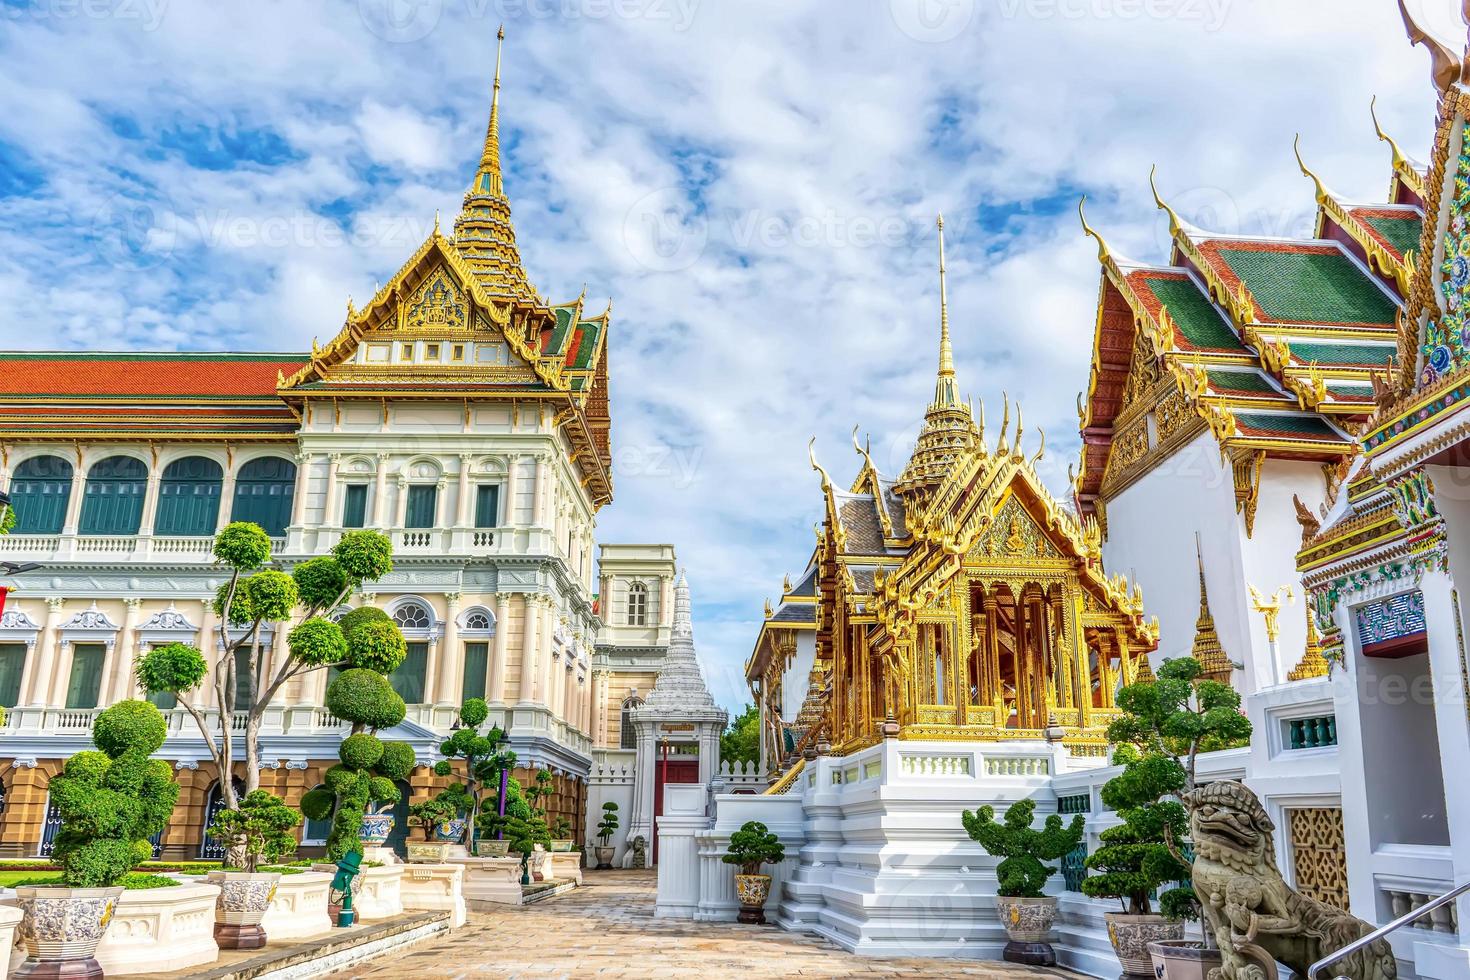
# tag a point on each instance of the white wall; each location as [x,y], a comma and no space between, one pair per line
[798,675]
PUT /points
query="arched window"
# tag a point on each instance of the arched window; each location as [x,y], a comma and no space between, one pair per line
[479,619]
[628,737]
[39,492]
[637,604]
[412,616]
[408,679]
[188,497]
[212,848]
[113,501]
[263,493]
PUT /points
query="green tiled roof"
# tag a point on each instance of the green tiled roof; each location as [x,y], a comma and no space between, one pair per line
[1241,381]
[1195,316]
[1342,390]
[1402,233]
[1360,355]
[591,334]
[1310,287]
[1296,425]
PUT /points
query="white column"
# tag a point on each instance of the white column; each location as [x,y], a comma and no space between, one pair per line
[41,678]
[1447,666]
[544,674]
[226,499]
[303,476]
[512,482]
[538,495]
[400,511]
[464,514]
[120,684]
[496,690]
[528,649]
[150,503]
[449,671]
[203,695]
[380,494]
[330,517]
[74,502]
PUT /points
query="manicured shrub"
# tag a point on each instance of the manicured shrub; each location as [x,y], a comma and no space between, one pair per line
[360,751]
[243,546]
[318,642]
[608,824]
[365,555]
[398,760]
[320,582]
[752,846]
[112,801]
[376,645]
[317,803]
[260,828]
[270,595]
[365,697]
[1022,873]
[172,668]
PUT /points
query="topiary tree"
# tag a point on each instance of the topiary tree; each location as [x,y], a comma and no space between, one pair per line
[524,827]
[112,800]
[1165,725]
[1022,874]
[609,823]
[482,761]
[253,596]
[752,846]
[259,828]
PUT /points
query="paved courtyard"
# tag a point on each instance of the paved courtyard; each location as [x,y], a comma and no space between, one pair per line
[606,929]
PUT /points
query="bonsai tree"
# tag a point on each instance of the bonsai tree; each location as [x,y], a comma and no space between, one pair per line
[430,813]
[1022,874]
[1135,858]
[608,824]
[259,828]
[525,827]
[112,800]
[562,829]
[481,761]
[752,846]
[253,596]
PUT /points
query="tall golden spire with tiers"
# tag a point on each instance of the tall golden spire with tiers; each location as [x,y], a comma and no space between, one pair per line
[483,232]
[1207,648]
[949,428]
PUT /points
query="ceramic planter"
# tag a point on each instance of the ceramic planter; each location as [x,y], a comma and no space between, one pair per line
[61,927]
[492,848]
[604,853]
[450,831]
[244,899]
[1131,934]
[1028,923]
[752,891]
[562,845]
[375,829]
[1183,959]
[428,852]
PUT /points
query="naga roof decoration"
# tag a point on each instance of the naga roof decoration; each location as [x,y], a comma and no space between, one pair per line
[469,295]
[1273,345]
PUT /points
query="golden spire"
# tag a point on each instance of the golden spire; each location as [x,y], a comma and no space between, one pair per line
[1207,649]
[946,391]
[483,232]
[1312,664]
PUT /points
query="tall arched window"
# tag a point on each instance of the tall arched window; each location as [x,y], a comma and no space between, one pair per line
[415,619]
[113,500]
[188,497]
[39,492]
[628,737]
[263,493]
[637,604]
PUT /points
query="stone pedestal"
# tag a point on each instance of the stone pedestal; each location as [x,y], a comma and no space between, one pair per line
[299,910]
[435,888]
[376,894]
[564,866]
[494,881]
[382,855]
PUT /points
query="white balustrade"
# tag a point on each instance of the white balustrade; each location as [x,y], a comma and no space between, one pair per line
[934,765]
[1018,765]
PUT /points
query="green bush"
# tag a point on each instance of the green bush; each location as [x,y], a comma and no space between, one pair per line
[376,645]
[365,555]
[352,619]
[360,751]
[1022,873]
[112,801]
[260,828]
[318,642]
[240,614]
[320,582]
[382,790]
[270,595]
[398,760]
[173,667]
[608,824]
[243,546]
[317,804]
[365,697]
[472,713]
[752,846]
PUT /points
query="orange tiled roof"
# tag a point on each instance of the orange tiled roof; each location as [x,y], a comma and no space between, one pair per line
[140,375]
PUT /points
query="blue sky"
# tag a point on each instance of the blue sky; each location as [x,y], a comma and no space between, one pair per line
[753,183]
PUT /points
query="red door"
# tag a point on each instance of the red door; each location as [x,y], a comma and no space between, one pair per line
[683,770]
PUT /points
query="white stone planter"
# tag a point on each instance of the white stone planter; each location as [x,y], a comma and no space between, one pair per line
[376,892]
[299,910]
[435,888]
[1131,934]
[10,917]
[160,930]
[564,866]
[244,899]
[492,880]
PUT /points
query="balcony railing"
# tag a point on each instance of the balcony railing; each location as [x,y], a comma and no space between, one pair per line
[1311,733]
[136,547]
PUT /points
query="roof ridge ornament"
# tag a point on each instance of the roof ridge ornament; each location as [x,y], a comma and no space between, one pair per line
[1176,224]
[1104,254]
[1399,159]
[1444,65]
[1322,190]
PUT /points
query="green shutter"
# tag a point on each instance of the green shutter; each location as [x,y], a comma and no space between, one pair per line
[316,830]
[487,506]
[476,662]
[263,494]
[188,497]
[112,502]
[244,680]
[84,688]
[39,493]
[408,679]
[12,665]
[421,500]
[354,506]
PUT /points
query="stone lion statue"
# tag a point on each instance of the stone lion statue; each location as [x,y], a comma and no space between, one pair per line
[1258,920]
[640,853]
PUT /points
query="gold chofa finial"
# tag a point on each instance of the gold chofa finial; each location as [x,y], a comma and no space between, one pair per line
[1102,247]
[1296,146]
[1399,159]
[811,454]
[1174,222]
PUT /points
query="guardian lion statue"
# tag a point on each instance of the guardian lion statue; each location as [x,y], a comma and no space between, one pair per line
[1258,920]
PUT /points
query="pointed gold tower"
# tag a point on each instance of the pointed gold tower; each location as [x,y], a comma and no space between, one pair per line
[949,428]
[483,232]
[1207,649]
[1313,664]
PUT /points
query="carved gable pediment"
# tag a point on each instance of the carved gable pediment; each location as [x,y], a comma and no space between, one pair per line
[1014,534]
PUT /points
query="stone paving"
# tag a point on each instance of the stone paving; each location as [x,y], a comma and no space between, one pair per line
[606,929]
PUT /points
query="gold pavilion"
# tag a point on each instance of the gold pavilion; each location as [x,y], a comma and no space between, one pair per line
[957,601]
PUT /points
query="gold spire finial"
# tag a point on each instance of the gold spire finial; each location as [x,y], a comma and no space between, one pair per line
[1296,147]
[1103,255]
[1174,222]
[946,391]
[490,158]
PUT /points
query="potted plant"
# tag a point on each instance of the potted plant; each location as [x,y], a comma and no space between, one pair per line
[750,847]
[482,763]
[525,830]
[441,818]
[260,828]
[1026,913]
[561,835]
[111,801]
[1166,723]
[539,790]
[605,829]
